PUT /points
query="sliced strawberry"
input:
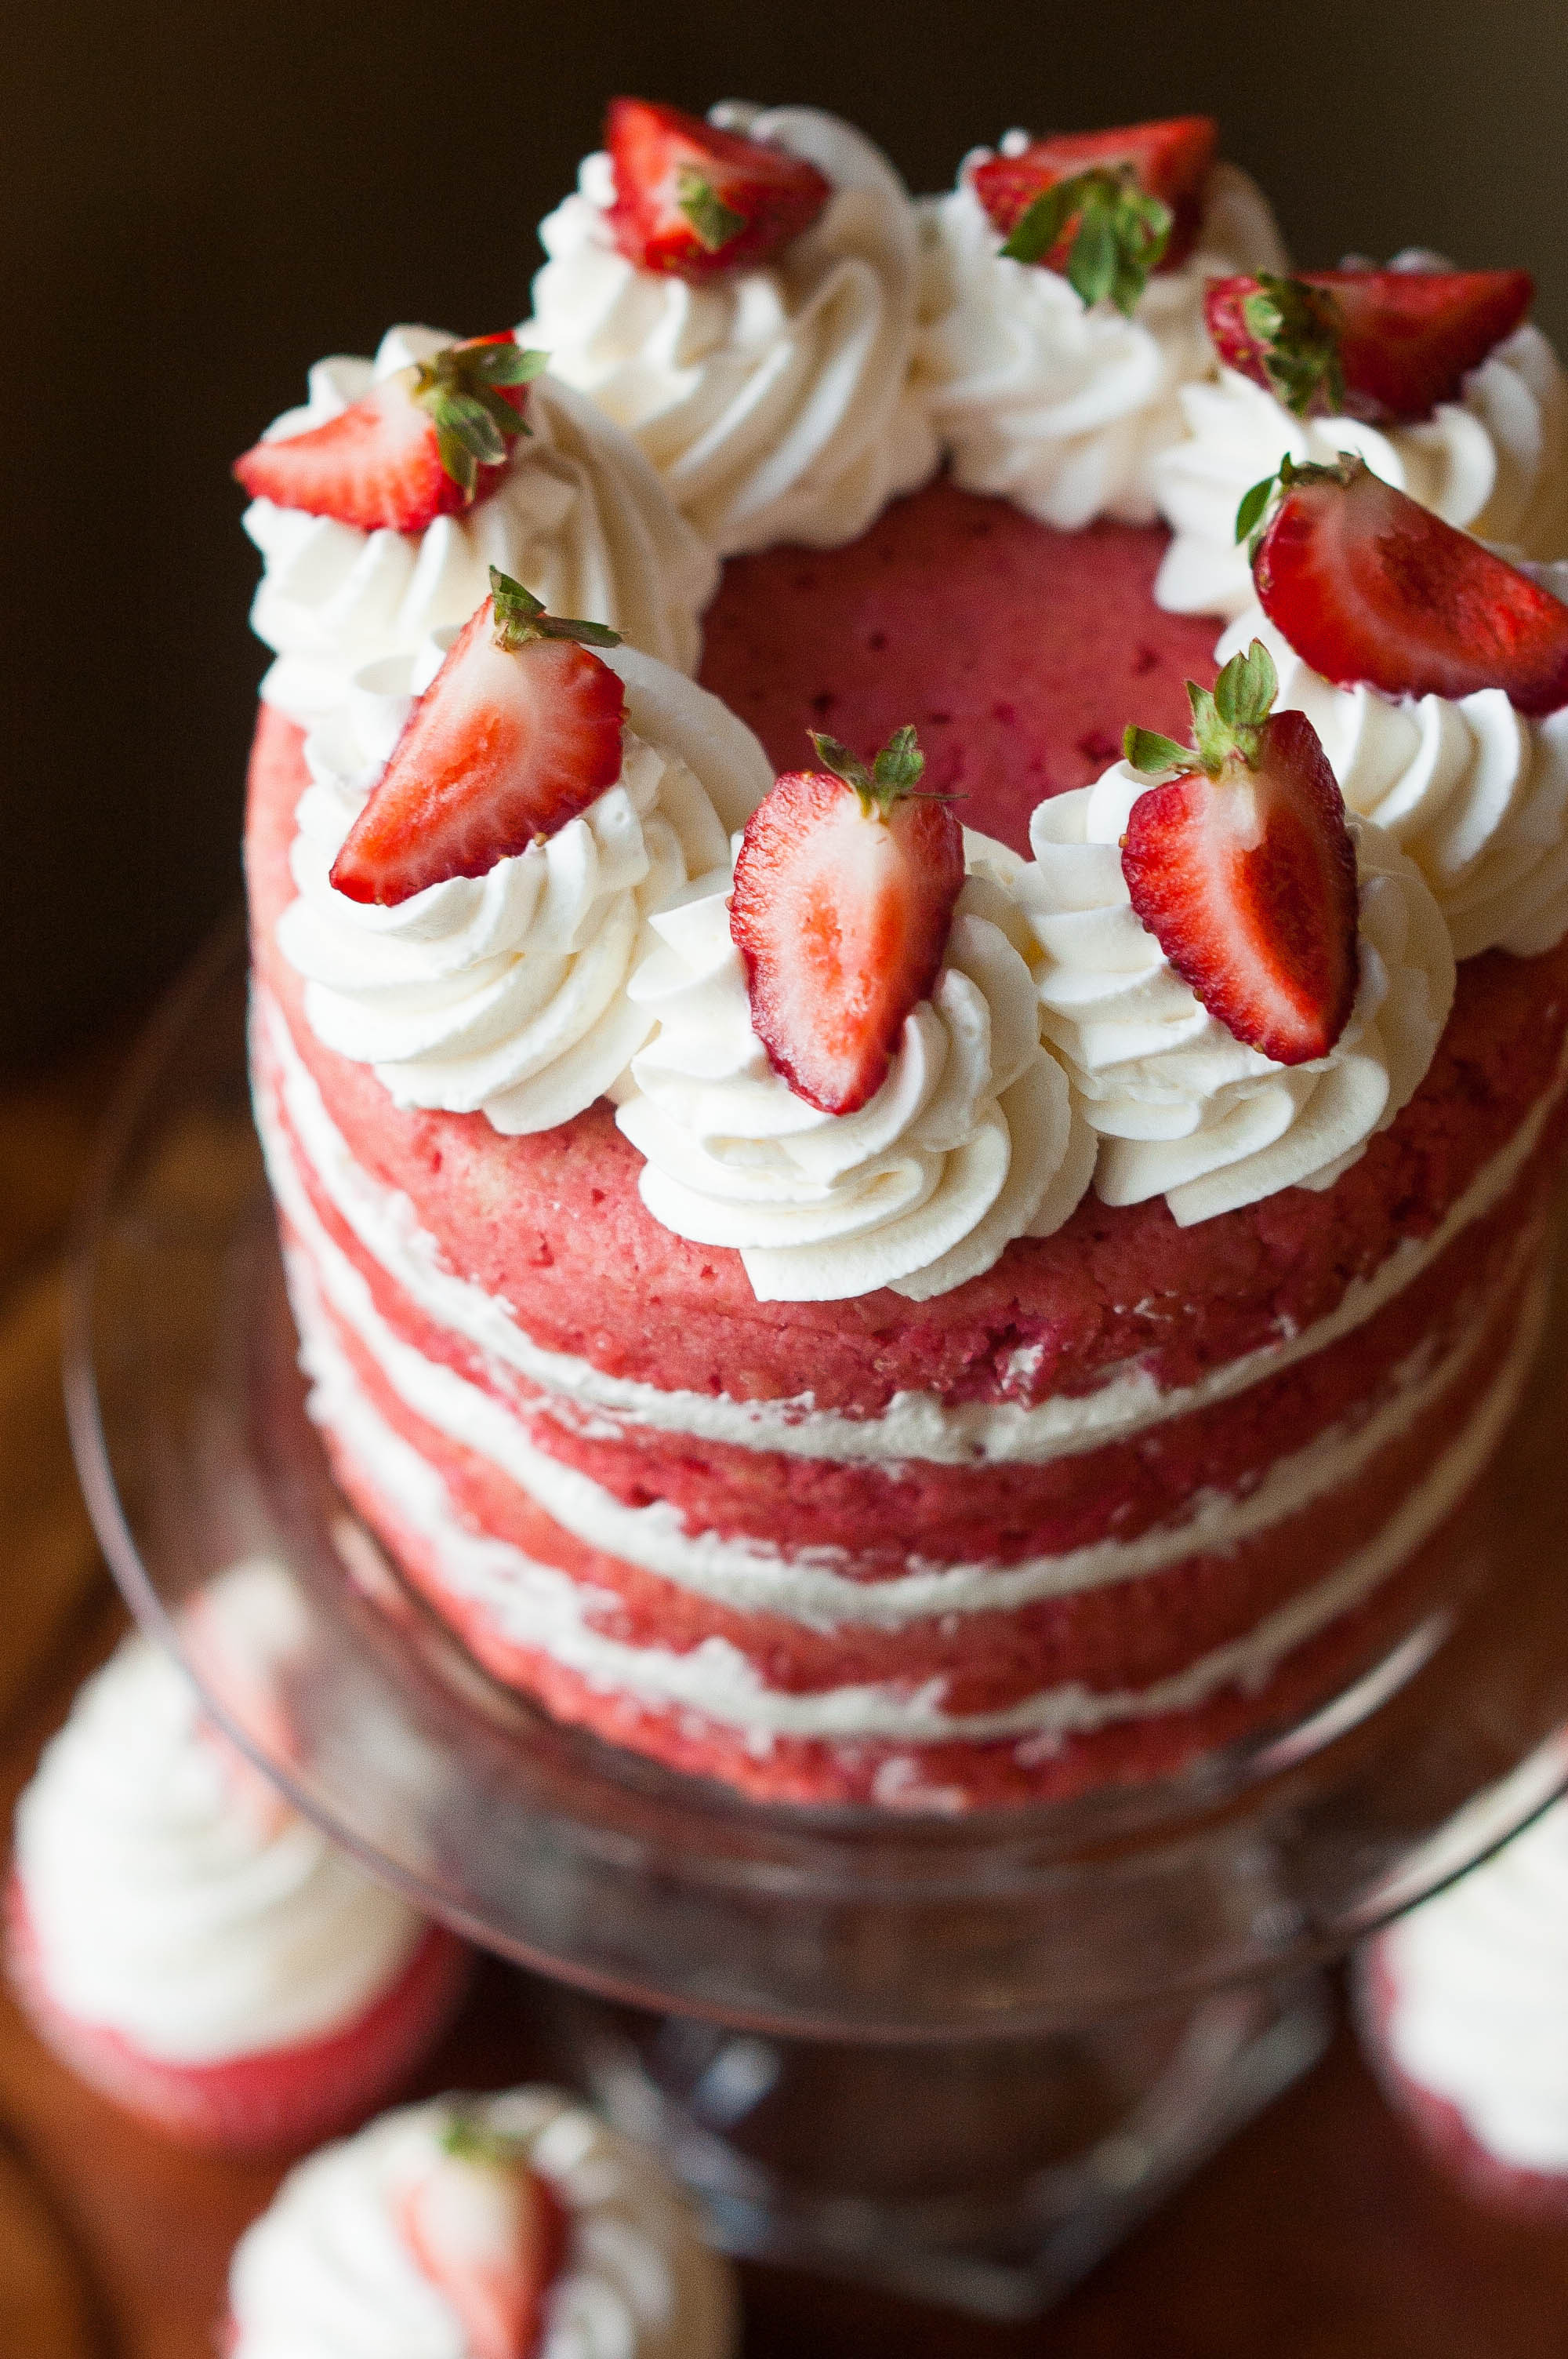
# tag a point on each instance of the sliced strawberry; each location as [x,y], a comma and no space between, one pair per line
[842,903]
[1369,586]
[1377,345]
[1104,208]
[491,2233]
[697,201]
[428,440]
[519,731]
[1242,867]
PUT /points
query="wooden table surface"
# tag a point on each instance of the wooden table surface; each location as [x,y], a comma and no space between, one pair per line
[1319,2233]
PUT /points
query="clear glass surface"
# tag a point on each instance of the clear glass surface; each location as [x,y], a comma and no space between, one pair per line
[665,1892]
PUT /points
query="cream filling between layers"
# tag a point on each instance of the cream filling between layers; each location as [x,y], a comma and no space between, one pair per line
[751,1576]
[537,1608]
[914,1425]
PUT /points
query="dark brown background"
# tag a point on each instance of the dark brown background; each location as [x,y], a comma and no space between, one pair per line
[197,200]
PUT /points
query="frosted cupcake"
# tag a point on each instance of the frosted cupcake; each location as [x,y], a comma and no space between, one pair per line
[1462,2013]
[196,1950]
[502,2227]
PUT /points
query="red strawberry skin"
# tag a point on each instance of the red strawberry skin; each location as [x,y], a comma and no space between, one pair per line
[376,464]
[1407,338]
[1248,884]
[1171,160]
[841,917]
[505,745]
[773,194]
[1368,586]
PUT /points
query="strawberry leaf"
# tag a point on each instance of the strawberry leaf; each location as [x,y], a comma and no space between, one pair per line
[1298,329]
[1151,751]
[901,764]
[896,772]
[520,617]
[1122,233]
[1245,691]
[713,221]
[1227,720]
[468,2139]
[508,364]
[1249,514]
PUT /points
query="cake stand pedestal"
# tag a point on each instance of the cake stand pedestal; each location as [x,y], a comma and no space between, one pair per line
[956,2057]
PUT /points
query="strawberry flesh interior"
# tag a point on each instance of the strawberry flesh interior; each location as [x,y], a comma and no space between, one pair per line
[1248,884]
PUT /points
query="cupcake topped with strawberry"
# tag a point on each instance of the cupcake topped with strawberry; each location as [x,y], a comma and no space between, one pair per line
[1064,307]
[740,294]
[1436,675]
[380,505]
[476,863]
[1433,376]
[502,2227]
[847,1082]
[1244,982]
[190,1945]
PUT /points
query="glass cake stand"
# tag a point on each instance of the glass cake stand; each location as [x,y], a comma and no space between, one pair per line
[957,2057]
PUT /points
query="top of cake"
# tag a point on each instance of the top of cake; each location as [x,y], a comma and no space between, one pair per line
[849,1037]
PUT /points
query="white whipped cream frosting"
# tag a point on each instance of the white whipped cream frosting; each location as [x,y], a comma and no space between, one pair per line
[970,1142]
[1495,461]
[326,2271]
[1478,1976]
[1060,409]
[506,993]
[775,402]
[1476,793]
[1183,1108]
[579,518]
[175,1899]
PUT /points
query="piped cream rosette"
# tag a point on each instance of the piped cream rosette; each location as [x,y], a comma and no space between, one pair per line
[775,403]
[971,1141]
[1181,1108]
[506,993]
[1063,410]
[579,517]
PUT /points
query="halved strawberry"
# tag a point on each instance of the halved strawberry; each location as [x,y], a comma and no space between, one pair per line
[519,731]
[1377,345]
[1103,208]
[1242,867]
[427,441]
[695,201]
[1369,586]
[842,904]
[491,2232]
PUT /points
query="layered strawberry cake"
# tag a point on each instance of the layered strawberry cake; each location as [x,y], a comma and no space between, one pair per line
[189,1944]
[925,1216]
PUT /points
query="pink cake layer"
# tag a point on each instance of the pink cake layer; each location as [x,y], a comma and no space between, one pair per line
[879,1514]
[279,2100]
[1442,2127]
[1119,1634]
[945,1774]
